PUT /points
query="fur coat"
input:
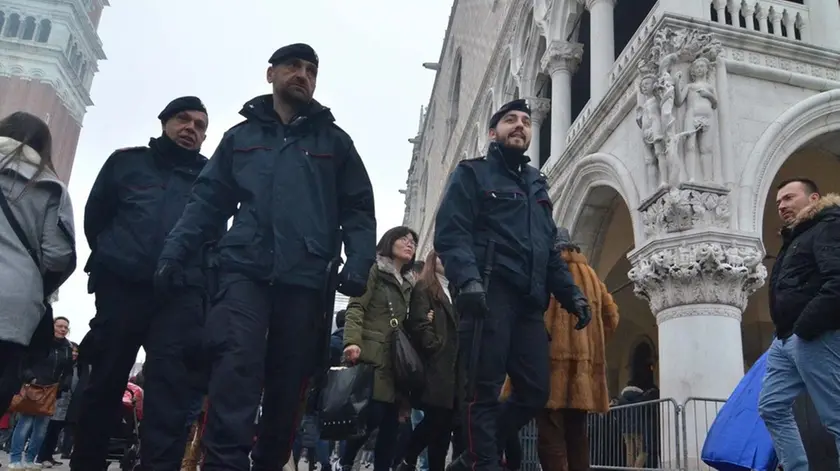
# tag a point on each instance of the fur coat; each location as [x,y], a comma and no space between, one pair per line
[578,358]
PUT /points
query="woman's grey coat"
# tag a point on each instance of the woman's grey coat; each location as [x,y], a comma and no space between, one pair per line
[38,209]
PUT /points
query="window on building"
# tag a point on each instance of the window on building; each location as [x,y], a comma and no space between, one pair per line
[13,29]
[28,29]
[76,61]
[44,31]
[74,49]
[455,92]
[2,21]
[83,71]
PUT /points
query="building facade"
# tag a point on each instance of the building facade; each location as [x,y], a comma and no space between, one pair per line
[49,51]
[663,128]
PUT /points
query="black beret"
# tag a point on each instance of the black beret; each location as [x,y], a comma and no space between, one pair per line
[294,51]
[515,105]
[185,103]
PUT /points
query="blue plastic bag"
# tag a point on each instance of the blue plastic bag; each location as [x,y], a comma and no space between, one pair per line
[738,439]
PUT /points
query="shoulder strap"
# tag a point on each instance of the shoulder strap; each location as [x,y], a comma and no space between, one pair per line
[10,216]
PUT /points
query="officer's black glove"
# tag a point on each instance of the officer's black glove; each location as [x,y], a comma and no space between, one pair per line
[350,284]
[472,300]
[582,312]
[169,277]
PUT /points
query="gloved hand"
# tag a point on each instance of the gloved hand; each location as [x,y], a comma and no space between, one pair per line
[472,300]
[582,312]
[169,277]
[350,284]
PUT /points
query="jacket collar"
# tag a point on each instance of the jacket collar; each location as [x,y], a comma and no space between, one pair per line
[261,109]
[817,209]
[28,165]
[810,215]
[386,265]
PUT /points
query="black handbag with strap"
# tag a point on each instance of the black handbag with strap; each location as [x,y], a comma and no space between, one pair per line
[43,336]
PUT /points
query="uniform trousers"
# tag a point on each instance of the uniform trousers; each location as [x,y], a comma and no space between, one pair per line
[259,336]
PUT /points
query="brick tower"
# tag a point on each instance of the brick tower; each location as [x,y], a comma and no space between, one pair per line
[49,50]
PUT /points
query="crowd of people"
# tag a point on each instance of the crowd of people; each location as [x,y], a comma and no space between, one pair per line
[508,317]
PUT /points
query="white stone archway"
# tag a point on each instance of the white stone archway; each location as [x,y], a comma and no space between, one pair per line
[585,178]
[799,124]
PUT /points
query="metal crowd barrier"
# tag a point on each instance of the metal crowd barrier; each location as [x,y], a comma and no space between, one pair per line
[657,435]
[698,414]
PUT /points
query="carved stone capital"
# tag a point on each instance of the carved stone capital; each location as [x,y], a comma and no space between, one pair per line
[689,206]
[562,55]
[540,108]
[713,268]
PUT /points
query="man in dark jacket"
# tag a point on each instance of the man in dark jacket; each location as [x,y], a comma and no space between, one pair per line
[804,302]
[290,178]
[501,199]
[136,200]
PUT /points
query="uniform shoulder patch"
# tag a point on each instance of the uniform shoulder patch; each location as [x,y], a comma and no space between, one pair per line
[481,158]
[238,125]
[129,149]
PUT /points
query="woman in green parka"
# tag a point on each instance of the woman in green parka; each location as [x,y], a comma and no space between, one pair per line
[368,329]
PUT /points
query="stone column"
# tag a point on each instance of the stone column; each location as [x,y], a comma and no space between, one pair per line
[602,45]
[540,107]
[696,273]
[560,61]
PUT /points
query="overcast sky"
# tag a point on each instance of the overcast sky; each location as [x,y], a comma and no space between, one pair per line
[370,75]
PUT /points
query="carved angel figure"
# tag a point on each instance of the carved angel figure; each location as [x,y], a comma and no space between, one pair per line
[649,119]
[701,102]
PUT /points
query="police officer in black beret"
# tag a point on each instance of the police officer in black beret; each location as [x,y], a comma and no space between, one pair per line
[501,201]
[135,201]
[290,177]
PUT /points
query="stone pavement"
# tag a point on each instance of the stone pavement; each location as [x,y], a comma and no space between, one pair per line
[4,459]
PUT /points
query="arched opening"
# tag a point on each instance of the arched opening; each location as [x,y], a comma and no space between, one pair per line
[642,364]
[582,78]
[818,160]
[13,28]
[627,18]
[455,91]
[44,31]
[604,231]
[73,51]
[28,29]
[77,61]
[2,21]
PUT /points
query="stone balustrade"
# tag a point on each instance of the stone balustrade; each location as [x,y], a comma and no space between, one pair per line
[777,17]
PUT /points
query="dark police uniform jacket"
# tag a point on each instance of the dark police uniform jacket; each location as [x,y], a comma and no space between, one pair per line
[135,201]
[485,200]
[289,188]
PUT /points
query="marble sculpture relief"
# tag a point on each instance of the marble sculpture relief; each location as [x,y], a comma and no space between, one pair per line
[677,114]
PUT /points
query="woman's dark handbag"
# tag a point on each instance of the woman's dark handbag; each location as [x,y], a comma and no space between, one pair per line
[345,402]
[409,373]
